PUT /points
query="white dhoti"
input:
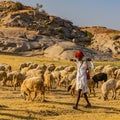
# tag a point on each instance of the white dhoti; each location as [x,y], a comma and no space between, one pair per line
[81,80]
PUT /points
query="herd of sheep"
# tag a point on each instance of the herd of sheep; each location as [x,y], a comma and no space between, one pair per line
[32,77]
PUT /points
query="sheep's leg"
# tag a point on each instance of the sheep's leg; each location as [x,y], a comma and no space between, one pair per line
[89,92]
[34,96]
[94,92]
[29,95]
[42,96]
[114,94]
[72,92]
[105,96]
[4,81]
[42,91]
[97,84]
[117,88]
[14,86]
[35,90]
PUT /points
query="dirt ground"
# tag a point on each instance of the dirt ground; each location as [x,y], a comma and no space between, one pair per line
[58,106]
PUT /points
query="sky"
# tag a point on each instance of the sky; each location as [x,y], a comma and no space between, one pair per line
[83,12]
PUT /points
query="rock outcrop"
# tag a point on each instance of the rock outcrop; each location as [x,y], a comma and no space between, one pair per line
[25,30]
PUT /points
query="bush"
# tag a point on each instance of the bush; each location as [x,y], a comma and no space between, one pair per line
[17,6]
[88,36]
[60,30]
[116,37]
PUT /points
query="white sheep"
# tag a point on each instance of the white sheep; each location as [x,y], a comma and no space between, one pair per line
[59,68]
[99,68]
[109,70]
[56,76]
[107,86]
[35,73]
[33,84]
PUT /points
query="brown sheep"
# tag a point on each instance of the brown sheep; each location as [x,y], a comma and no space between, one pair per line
[48,80]
[117,74]
[33,84]
[6,67]
[10,77]
[18,78]
[90,83]
[3,77]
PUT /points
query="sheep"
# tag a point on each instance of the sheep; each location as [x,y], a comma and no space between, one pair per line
[22,65]
[99,77]
[41,67]
[117,74]
[7,67]
[10,76]
[48,80]
[33,66]
[91,87]
[24,70]
[3,77]
[107,86]
[63,81]
[59,68]
[71,87]
[35,73]
[51,67]
[18,78]
[90,83]
[67,78]
[56,76]
[99,68]
[70,69]
[109,70]
[48,77]
[33,84]
[2,68]
[117,86]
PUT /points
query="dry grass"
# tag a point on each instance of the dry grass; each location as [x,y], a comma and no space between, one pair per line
[58,103]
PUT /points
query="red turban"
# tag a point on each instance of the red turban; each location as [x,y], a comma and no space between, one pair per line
[79,54]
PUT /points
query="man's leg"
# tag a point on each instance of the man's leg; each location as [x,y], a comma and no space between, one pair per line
[86,98]
[78,98]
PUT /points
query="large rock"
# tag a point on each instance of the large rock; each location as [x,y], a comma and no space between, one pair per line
[66,50]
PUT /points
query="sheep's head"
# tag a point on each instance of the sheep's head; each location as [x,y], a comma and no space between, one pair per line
[23,94]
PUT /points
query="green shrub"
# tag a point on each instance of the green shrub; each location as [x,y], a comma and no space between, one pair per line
[88,36]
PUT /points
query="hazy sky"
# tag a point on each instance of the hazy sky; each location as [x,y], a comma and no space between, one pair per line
[83,12]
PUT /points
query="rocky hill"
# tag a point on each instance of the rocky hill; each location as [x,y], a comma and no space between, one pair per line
[105,40]
[25,30]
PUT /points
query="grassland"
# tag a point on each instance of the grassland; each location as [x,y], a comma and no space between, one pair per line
[58,105]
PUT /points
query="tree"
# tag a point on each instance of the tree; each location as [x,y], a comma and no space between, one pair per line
[38,6]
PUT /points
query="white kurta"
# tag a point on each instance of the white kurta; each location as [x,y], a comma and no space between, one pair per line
[81,81]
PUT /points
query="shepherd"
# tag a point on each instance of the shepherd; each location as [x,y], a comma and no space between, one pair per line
[83,68]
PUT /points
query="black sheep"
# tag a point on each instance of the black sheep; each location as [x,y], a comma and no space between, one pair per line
[99,77]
